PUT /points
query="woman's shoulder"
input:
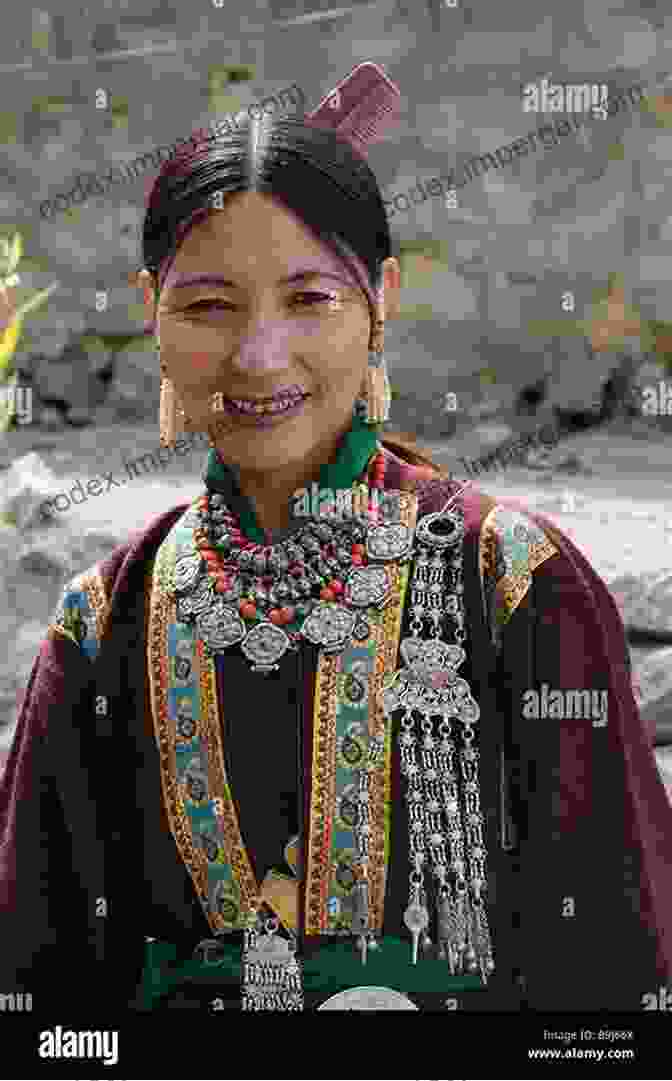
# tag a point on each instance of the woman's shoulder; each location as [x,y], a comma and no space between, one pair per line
[506,528]
[514,543]
[84,608]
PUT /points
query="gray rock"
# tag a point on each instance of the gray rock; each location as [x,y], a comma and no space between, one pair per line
[23,488]
[653,679]
[33,571]
[664,763]
[646,600]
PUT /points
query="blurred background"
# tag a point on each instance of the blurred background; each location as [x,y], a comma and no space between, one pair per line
[540,294]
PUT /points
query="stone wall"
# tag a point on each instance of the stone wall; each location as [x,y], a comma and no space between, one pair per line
[515,243]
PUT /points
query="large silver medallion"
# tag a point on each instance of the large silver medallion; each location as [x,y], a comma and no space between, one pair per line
[369,998]
[330,626]
[265,644]
[187,571]
[388,542]
[220,627]
[196,602]
[367,587]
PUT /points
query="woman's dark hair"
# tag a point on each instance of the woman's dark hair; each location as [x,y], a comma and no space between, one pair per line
[312,171]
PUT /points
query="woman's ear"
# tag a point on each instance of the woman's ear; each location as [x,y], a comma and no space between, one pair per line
[392,286]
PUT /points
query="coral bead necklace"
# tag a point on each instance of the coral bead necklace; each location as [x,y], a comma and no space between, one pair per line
[282,583]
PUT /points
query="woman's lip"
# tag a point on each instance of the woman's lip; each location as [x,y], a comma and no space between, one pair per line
[268,418]
[268,401]
[294,392]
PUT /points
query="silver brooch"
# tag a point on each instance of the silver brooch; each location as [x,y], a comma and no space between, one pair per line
[187,571]
[329,626]
[429,682]
[221,627]
[440,530]
[388,542]
[367,587]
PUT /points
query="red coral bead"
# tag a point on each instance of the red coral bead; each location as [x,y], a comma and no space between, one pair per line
[222,584]
[276,617]
[358,549]
[326,594]
[247,610]
[288,614]
[357,559]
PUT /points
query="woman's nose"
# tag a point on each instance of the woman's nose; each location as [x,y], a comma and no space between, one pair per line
[264,347]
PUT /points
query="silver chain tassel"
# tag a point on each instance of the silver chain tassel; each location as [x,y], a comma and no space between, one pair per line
[272,978]
[428,685]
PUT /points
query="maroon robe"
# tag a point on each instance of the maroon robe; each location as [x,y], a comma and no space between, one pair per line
[578,826]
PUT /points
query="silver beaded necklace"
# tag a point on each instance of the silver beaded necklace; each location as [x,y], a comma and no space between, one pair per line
[426,685]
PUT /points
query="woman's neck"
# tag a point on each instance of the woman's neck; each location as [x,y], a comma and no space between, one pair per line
[272,493]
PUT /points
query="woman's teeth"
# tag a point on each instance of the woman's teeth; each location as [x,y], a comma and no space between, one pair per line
[275,405]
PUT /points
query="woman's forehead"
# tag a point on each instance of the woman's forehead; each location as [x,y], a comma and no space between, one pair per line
[301,251]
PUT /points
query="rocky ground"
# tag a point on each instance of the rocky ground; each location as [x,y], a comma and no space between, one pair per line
[610,492]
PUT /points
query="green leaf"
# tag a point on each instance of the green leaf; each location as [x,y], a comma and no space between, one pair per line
[15,253]
[36,301]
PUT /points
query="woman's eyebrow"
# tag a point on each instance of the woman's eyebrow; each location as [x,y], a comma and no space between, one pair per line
[181,281]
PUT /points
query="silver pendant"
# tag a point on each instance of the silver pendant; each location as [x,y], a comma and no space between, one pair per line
[273,950]
[367,587]
[265,644]
[187,571]
[388,542]
[330,626]
[369,998]
[196,602]
[428,681]
[440,530]
[425,658]
[221,627]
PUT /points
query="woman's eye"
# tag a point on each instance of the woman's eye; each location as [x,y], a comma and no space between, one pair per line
[299,298]
[201,305]
[314,298]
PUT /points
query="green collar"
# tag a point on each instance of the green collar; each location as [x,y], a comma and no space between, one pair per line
[354,454]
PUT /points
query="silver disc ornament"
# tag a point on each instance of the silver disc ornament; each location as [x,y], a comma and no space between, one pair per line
[264,645]
[367,587]
[387,542]
[187,572]
[330,626]
[221,627]
[369,998]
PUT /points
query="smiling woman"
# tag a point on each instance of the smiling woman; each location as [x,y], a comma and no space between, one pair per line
[263,747]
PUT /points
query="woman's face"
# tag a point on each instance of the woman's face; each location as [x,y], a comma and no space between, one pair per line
[273,310]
